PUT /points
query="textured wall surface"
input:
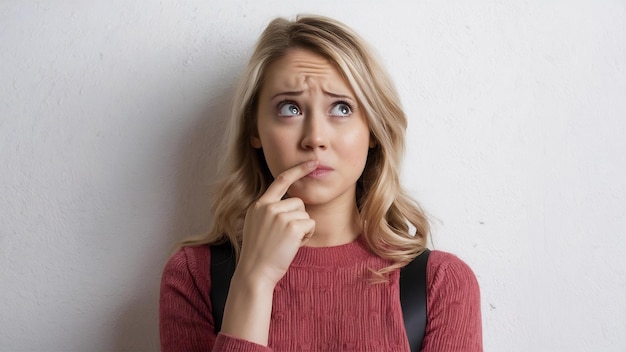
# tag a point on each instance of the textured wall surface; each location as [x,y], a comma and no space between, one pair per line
[110,112]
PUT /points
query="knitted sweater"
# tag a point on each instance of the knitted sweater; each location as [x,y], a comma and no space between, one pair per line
[326,303]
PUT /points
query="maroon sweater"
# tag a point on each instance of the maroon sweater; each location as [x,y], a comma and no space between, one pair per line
[325,303]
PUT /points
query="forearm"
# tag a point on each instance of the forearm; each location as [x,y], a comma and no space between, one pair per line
[273,231]
[248,310]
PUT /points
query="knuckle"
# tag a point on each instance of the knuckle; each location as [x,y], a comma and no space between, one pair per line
[273,208]
[257,205]
[292,227]
[282,178]
[282,217]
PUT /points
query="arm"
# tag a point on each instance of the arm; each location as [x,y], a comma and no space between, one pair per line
[185,320]
[274,229]
[454,317]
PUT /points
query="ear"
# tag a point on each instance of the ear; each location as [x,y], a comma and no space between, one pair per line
[256,142]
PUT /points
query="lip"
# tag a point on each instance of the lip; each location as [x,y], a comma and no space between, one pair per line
[320,171]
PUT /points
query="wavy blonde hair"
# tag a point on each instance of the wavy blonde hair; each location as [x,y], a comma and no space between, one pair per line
[385,207]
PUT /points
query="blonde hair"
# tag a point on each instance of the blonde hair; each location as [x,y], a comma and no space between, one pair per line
[386,209]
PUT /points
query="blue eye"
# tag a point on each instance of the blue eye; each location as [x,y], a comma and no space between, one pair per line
[341,109]
[288,109]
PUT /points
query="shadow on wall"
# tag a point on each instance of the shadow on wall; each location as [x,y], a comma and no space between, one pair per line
[196,169]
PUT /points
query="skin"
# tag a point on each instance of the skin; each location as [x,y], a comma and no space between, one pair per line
[315,141]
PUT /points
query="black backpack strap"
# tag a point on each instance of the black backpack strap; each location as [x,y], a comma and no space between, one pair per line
[413,299]
[222,270]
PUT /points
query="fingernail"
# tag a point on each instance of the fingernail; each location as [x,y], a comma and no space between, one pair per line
[311,163]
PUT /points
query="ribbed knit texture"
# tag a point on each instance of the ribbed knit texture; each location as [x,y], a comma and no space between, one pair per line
[326,302]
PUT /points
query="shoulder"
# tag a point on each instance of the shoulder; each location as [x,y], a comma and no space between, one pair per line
[453,306]
[190,256]
[449,272]
[191,263]
[185,320]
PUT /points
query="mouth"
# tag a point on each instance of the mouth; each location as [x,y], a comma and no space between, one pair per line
[320,171]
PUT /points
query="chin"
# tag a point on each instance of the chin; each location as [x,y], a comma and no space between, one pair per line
[309,199]
[309,196]
[318,196]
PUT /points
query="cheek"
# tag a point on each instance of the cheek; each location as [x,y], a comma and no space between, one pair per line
[275,152]
[355,147]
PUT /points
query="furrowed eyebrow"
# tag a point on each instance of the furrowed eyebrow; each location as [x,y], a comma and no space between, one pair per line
[298,93]
[339,96]
[290,94]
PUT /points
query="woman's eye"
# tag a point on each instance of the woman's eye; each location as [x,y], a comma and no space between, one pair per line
[288,109]
[341,109]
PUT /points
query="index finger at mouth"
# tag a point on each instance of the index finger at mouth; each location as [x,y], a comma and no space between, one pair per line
[281,184]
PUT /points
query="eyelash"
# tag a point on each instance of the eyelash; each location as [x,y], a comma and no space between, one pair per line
[345,102]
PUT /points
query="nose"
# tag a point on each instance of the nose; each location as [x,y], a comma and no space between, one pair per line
[314,134]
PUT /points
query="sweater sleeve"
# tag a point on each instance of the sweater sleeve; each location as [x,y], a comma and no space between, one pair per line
[454,318]
[185,319]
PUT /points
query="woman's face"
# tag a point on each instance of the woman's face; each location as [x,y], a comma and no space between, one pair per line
[307,111]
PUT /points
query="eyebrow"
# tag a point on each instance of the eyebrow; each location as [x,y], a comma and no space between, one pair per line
[290,94]
[298,93]
[338,95]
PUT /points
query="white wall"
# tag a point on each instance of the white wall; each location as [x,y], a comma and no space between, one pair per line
[110,110]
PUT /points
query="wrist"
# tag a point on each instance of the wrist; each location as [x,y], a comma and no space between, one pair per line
[251,284]
[248,309]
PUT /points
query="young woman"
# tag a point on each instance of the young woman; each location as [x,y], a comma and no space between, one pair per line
[312,205]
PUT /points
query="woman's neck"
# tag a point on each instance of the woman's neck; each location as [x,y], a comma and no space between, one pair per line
[334,225]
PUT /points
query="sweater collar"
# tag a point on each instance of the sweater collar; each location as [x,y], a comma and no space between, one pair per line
[334,256]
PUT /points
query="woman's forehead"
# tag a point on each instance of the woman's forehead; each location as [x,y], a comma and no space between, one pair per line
[302,69]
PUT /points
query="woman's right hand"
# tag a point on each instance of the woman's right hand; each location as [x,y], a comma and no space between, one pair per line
[274,230]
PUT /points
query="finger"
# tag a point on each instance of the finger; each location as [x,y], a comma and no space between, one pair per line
[303,228]
[281,184]
[288,217]
[285,205]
